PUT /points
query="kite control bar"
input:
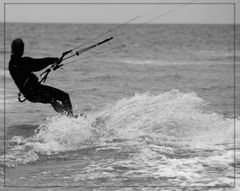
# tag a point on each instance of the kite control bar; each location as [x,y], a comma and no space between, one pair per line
[77,53]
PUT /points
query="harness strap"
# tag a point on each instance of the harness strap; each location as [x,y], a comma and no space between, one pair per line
[20,94]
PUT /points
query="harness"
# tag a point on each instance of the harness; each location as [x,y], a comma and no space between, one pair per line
[25,83]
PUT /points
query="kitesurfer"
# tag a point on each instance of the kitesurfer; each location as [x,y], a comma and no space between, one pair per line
[22,71]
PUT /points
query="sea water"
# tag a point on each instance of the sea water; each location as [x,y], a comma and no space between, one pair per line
[159,104]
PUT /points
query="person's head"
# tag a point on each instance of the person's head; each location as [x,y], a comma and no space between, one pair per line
[17,47]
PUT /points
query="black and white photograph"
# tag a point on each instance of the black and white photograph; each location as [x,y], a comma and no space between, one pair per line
[120,95]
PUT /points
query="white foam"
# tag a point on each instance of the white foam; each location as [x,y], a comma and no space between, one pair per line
[171,115]
[61,133]
[155,125]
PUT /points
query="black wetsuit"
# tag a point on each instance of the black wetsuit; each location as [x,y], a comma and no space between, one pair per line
[21,70]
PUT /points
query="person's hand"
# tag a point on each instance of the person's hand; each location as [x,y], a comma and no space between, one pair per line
[56,60]
[58,63]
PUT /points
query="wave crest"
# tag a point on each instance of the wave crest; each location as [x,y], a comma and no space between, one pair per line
[170,118]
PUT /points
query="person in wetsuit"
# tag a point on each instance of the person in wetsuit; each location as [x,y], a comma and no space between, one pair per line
[22,71]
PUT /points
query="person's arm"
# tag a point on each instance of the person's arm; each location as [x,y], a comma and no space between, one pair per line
[37,64]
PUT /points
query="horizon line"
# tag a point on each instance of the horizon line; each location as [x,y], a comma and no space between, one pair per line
[170,23]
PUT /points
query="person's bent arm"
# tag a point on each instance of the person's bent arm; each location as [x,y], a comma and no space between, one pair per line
[37,64]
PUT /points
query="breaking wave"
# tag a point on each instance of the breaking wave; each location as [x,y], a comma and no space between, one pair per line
[161,125]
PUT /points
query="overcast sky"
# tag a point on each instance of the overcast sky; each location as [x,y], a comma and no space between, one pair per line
[115,13]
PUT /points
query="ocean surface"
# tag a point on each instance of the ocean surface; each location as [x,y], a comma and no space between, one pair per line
[159,101]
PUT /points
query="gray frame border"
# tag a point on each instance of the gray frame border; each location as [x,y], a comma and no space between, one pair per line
[103,3]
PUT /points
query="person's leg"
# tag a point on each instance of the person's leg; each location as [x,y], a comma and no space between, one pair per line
[59,99]
[66,104]
[57,107]
[55,96]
